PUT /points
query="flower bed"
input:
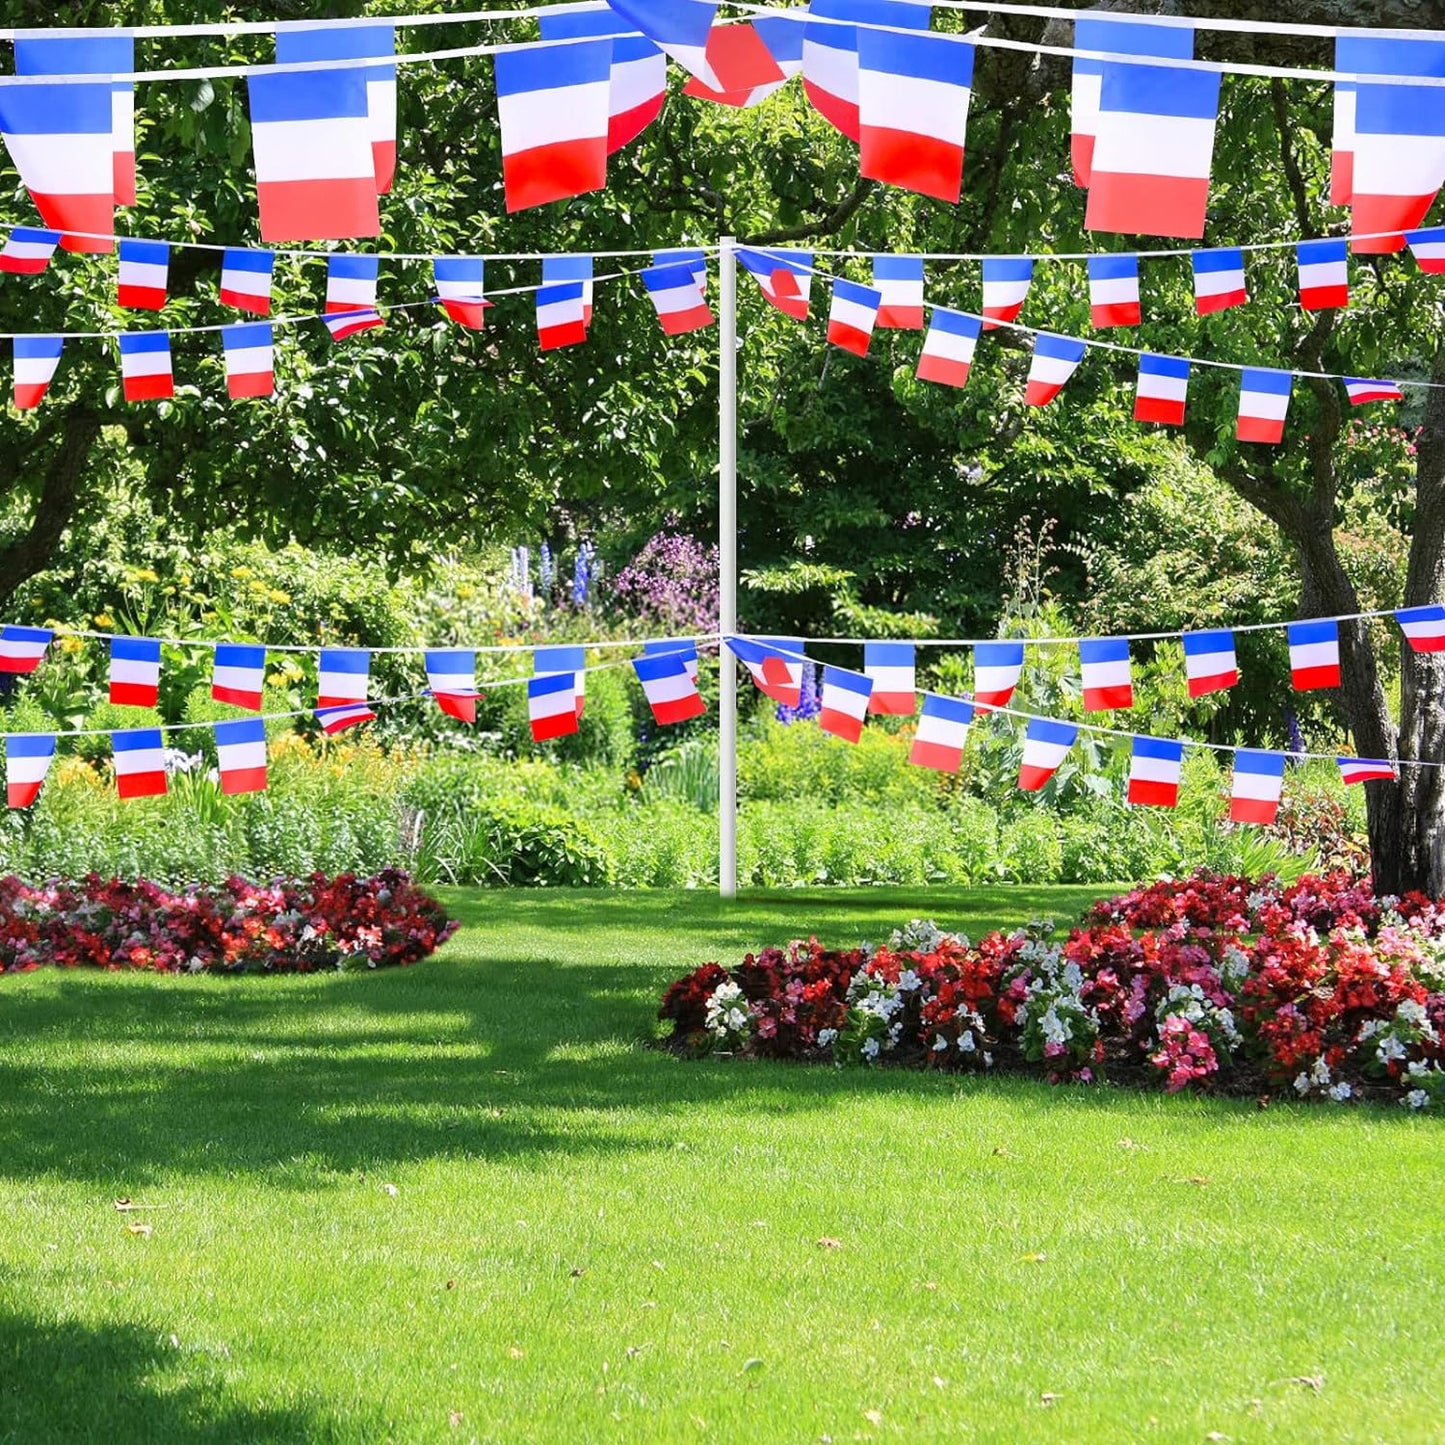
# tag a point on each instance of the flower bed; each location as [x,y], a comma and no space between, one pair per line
[1214,982]
[230,927]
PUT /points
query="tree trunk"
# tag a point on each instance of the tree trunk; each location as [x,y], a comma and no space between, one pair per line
[1415,856]
[60,488]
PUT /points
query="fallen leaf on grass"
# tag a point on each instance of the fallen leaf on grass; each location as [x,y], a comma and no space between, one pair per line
[129,1206]
[1216,1435]
[1310,1382]
[658,1264]
[451,1284]
[752,1364]
[1003,1153]
[1130,1145]
[1047,1398]
[929,1284]
[578,1272]
[1038,1257]
[454,1418]
[940,1382]
[873,1417]
[515,1353]
[1199,1180]
[827,1241]
[633,1351]
[140,1230]
[391,1189]
[648,1304]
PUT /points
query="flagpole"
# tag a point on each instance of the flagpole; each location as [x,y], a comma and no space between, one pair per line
[727,546]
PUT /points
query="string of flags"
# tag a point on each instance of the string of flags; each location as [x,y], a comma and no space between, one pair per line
[676,284]
[667,670]
[324,135]
[943,724]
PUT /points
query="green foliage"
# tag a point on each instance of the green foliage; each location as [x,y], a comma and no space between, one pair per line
[781,762]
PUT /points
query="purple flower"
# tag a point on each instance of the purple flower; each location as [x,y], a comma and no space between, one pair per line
[810,698]
[671,584]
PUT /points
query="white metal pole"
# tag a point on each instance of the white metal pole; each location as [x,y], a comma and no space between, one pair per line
[727,543]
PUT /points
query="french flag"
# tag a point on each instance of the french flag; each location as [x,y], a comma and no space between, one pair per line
[1324,279]
[671,688]
[1258,782]
[1218,280]
[140,766]
[899,280]
[830,53]
[343,675]
[1104,662]
[135,671]
[1113,291]
[1314,654]
[36,358]
[27,760]
[777,675]
[637,79]
[1054,361]
[238,675]
[370,41]
[1398,135]
[1424,627]
[459,282]
[1155,146]
[997,667]
[452,677]
[250,359]
[1263,402]
[1428,249]
[1361,391]
[241,753]
[913,93]
[92,52]
[891,667]
[561,315]
[784,277]
[568,662]
[948,347]
[315,170]
[1367,770]
[685,650]
[1154,765]
[351,295]
[943,724]
[677,299]
[1159,396]
[22,648]
[27,250]
[1209,662]
[145,365]
[246,280]
[553,104]
[550,707]
[1006,282]
[851,316]
[556,269]
[144,267]
[1046,744]
[1119,36]
[781,36]
[60,140]
[844,703]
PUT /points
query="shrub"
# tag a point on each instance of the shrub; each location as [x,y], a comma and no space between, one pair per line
[1030,850]
[509,841]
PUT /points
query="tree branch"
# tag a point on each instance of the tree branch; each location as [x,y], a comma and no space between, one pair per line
[835,220]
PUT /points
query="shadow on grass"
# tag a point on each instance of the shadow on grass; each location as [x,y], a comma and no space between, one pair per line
[70,1381]
[124,1080]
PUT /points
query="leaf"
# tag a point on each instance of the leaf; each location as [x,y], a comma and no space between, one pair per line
[873,1417]
[751,1365]
[139,1229]
[828,1242]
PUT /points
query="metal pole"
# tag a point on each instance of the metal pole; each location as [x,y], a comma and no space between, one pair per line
[727,544]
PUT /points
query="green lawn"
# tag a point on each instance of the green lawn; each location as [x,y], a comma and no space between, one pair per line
[461,1201]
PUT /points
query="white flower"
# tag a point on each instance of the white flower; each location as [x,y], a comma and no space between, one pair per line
[966,1044]
[987,1060]
[1320,1073]
[940,1044]
[1389,1048]
[1341,1091]
[1235,965]
[1302,1084]
[826,1037]
[908,980]
[1417,1099]
[1417,1068]
[1410,1012]
[870,1049]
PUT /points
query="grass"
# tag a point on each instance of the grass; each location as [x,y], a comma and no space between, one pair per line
[463,1202]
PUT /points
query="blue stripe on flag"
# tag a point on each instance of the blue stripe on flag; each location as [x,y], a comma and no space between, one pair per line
[1303,633]
[1159,90]
[1206,263]
[348,267]
[944,59]
[954,322]
[552,67]
[1113,268]
[854,682]
[659,665]
[1165,750]
[552,683]
[1061,348]
[998,654]
[1271,383]
[36,348]
[459,268]
[1318,253]
[338,659]
[1103,649]
[1046,730]
[1267,765]
[1129,37]
[136,343]
[259,262]
[858,295]
[1204,644]
[950,709]
[366,41]
[30,745]
[1175,366]
[308,95]
[668,278]
[559,659]
[146,253]
[898,268]
[764,263]
[135,740]
[135,649]
[1008,268]
[230,654]
[868,12]
[566,268]
[82,109]
[240,730]
[888,654]
[246,334]
[9,633]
